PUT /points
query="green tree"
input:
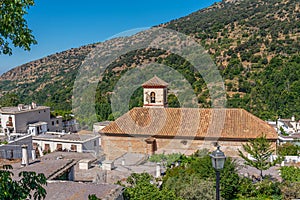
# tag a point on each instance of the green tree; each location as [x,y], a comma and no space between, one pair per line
[142,186]
[288,149]
[198,169]
[29,185]
[13,26]
[193,187]
[290,190]
[167,159]
[261,150]
[282,131]
[9,99]
[262,190]
[290,173]
[173,101]
[93,197]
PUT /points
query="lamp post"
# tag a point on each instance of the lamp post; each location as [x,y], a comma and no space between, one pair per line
[218,160]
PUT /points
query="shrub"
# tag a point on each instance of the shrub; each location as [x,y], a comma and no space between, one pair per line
[199,168]
[265,189]
[141,186]
[168,159]
[288,149]
[289,173]
[290,190]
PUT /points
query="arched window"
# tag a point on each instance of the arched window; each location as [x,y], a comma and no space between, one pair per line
[152,97]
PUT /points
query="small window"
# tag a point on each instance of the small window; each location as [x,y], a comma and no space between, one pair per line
[57,122]
[34,145]
[47,147]
[73,148]
[52,123]
[152,97]
[95,143]
[59,147]
[9,122]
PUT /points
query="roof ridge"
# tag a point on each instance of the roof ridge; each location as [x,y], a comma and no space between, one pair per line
[155,81]
[237,122]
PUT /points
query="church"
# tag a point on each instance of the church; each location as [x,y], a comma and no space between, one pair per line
[155,128]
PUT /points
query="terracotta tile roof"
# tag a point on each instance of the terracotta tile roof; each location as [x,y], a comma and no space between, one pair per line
[190,122]
[155,81]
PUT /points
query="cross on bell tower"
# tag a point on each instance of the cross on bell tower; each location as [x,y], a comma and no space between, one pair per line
[155,93]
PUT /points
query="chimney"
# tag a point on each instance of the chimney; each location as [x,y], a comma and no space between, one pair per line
[20,107]
[33,105]
[158,170]
[293,118]
[24,155]
[33,154]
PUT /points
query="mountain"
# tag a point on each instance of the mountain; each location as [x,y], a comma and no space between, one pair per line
[255,44]
[48,80]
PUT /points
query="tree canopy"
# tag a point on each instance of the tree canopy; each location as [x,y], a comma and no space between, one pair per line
[13,26]
[142,186]
[30,185]
[261,150]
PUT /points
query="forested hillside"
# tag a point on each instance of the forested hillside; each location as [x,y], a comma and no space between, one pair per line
[255,44]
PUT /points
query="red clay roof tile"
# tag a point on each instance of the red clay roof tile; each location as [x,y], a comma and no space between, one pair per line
[191,122]
[155,81]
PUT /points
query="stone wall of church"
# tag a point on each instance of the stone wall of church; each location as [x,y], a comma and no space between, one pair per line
[115,147]
[188,147]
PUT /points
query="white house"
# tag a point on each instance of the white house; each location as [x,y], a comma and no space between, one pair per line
[71,125]
[293,138]
[37,128]
[28,118]
[53,141]
[13,148]
[290,126]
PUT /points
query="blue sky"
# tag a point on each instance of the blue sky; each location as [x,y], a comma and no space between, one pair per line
[59,25]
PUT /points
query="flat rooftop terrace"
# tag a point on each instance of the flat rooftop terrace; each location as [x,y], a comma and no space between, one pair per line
[52,163]
[67,137]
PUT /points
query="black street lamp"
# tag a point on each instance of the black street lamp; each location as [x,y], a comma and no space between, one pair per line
[218,159]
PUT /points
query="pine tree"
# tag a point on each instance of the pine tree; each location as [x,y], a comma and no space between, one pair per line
[260,149]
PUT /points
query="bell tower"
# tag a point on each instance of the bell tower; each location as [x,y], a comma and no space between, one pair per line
[155,93]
